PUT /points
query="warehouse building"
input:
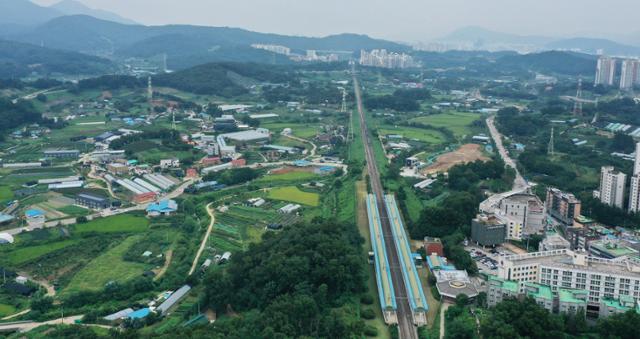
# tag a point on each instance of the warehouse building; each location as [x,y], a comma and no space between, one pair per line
[92,201]
[65,153]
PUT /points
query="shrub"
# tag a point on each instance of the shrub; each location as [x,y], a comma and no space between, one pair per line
[366,299]
[368,313]
[370,331]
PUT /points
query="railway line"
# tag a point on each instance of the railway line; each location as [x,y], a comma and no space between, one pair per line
[406,326]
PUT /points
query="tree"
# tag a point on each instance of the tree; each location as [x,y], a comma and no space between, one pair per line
[41,303]
[623,143]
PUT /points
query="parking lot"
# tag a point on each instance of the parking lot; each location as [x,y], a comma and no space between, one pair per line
[487,258]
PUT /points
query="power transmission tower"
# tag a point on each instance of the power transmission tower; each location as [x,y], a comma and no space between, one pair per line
[149,90]
[173,119]
[550,149]
[577,104]
[343,109]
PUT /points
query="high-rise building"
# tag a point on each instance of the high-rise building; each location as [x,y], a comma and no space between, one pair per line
[629,74]
[606,71]
[563,206]
[383,58]
[634,189]
[612,186]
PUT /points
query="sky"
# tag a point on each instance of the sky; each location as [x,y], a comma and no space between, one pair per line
[399,20]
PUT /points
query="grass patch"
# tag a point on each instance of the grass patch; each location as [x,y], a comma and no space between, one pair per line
[293,194]
[428,136]
[123,223]
[6,310]
[108,267]
[74,211]
[5,193]
[298,130]
[290,176]
[456,122]
[26,254]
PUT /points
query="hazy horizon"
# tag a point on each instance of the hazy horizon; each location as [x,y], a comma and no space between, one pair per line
[400,20]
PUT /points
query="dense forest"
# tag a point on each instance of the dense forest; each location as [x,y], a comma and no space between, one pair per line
[20,60]
[403,100]
[14,115]
[220,78]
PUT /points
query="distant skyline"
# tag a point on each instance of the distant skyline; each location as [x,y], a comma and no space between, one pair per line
[399,20]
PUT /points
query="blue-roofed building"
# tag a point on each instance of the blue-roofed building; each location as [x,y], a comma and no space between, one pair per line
[301,163]
[34,213]
[164,207]
[139,314]
[324,170]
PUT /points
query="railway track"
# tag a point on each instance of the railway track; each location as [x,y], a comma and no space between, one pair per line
[406,328]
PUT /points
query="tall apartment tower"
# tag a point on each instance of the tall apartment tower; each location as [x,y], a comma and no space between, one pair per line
[629,74]
[606,71]
[612,185]
[634,189]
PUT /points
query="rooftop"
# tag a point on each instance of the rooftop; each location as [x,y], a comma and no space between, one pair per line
[568,259]
[570,295]
[505,284]
[539,291]
[33,213]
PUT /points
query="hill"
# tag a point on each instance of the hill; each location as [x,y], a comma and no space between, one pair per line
[568,63]
[71,7]
[19,60]
[223,79]
[184,45]
[25,13]
[590,45]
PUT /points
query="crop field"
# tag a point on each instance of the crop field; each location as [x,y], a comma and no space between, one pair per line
[123,223]
[295,195]
[428,136]
[456,122]
[6,310]
[5,194]
[26,254]
[109,266]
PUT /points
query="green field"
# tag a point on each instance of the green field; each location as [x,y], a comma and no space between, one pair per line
[293,194]
[73,210]
[108,267]
[291,176]
[123,223]
[5,193]
[456,122]
[429,136]
[26,254]
[6,310]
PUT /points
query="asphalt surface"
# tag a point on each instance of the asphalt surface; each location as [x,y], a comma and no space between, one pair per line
[406,328]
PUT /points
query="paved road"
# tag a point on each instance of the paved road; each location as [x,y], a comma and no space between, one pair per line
[203,244]
[30,325]
[405,321]
[519,183]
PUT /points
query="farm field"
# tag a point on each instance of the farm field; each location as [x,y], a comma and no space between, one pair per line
[109,266]
[456,122]
[424,135]
[123,223]
[26,254]
[6,310]
[295,195]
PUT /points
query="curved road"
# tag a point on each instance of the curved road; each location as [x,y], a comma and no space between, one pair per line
[204,240]
[406,328]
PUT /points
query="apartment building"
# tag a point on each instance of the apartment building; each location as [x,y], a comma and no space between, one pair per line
[562,206]
[612,187]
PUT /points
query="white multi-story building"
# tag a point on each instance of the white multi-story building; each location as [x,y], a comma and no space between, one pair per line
[612,186]
[629,74]
[383,58]
[604,279]
[634,189]
[524,215]
[273,48]
[605,71]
